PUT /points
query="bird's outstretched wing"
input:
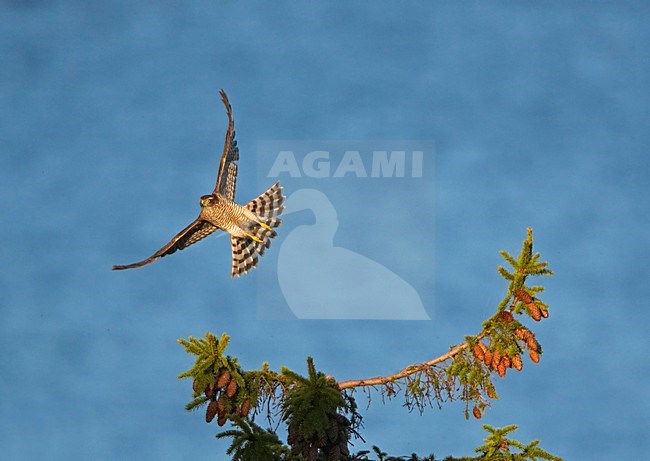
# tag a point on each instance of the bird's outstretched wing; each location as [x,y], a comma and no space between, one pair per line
[227,176]
[191,234]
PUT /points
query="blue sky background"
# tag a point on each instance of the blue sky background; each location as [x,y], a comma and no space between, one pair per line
[110,127]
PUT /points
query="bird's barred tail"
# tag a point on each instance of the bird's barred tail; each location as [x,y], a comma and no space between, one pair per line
[269,204]
[243,255]
[267,207]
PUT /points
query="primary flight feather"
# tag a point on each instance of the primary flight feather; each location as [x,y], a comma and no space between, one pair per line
[251,226]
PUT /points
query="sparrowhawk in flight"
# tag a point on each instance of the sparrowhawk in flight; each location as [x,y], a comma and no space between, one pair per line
[250,226]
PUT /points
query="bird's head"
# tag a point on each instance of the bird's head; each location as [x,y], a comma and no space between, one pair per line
[208,200]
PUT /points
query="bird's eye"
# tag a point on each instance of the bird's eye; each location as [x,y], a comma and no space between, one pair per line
[208,200]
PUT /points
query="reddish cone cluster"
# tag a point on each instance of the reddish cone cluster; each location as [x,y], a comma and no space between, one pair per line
[528,337]
[531,304]
[221,393]
[496,360]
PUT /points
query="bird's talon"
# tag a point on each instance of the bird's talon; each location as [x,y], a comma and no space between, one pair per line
[252,237]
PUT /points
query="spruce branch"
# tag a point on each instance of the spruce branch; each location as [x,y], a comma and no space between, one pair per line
[408,371]
[498,447]
[321,413]
[465,372]
[442,374]
[251,442]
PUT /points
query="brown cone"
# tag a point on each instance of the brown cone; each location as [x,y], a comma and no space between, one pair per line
[221,404]
[477,413]
[534,312]
[487,360]
[221,420]
[343,446]
[506,316]
[334,453]
[342,420]
[491,392]
[506,361]
[544,313]
[521,333]
[292,434]
[517,364]
[532,343]
[224,379]
[211,411]
[501,369]
[478,353]
[534,356]
[231,389]
[333,431]
[245,407]
[523,296]
[496,359]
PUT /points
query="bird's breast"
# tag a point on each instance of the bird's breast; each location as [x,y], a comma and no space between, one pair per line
[223,213]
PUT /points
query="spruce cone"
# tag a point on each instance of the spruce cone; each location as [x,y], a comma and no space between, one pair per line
[534,356]
[517,364]
[501,369]
[210,393]
[343,446]
[491,392]
[333,432]
[488,358]
[532,343]
[231,389]
[211,411]
[506,361]
[221,420]
[506,316]
[521,333]
[496,359]
[477,413]
[292,435]
[221,404]
[334,453]
[195,386]
[534,312]
[544,313]
[224,379]
[478,352]
[523,296]
[245,407]
[342,420]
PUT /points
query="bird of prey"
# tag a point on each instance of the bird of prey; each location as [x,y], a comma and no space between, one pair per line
[251,226]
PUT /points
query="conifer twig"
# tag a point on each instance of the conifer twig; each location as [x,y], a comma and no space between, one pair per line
[409,370]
